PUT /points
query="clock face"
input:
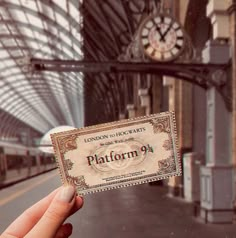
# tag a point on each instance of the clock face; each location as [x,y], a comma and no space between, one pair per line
[162,38]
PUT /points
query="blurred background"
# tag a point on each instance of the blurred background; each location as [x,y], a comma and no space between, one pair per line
[74,63]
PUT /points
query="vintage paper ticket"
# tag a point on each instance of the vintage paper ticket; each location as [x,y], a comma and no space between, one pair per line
[118,154]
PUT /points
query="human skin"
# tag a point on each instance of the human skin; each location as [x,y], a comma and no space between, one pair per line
[46,217]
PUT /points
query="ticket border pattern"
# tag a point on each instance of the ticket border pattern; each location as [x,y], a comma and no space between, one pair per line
[66,141]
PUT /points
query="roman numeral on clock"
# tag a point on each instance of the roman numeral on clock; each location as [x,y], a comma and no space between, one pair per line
[178,46]
[162,38]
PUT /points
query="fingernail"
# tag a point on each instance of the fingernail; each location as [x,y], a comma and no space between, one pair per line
[66,194]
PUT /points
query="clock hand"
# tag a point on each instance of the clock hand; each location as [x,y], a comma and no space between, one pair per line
[159,31]
[165,33]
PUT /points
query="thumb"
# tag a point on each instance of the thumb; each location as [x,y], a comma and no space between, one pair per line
[56,214]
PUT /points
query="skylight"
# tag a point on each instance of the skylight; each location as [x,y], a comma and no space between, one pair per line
[47,30]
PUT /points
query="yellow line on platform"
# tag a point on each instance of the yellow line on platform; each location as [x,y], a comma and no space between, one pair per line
[22,191]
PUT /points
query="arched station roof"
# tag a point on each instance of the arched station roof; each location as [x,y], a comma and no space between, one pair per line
[89,30]
[40,29]
[50,29]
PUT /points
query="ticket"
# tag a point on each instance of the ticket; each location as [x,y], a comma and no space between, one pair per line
[118,154]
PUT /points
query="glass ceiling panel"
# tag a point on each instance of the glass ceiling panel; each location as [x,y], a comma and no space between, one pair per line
[3,29]
[20,43]
[69,53]
[77,49]
[7,94]
[40,36]
[61,20]
[73,11]
[65,38]
[33,44]
[47,9]
[26,31]
[41,31]
[18,15]
[8,42]
[61,4]
[1,83]
[14,72]
[16,54]
[30,4]
[34,20]
[5,15]
[7,73]
[4,89]
[15,1]
[3,53]
[16,82]
[9,63]
[11,29]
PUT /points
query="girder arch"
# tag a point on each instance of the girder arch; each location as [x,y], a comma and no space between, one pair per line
[35,99]
[40,77]
[42,44]
[44,17]
[116,23]
[20,108]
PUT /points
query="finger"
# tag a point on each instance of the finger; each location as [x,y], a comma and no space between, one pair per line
[24,223]
[77,205]
[56,213]
[64,231]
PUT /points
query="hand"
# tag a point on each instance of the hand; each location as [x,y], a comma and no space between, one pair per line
[45,218]
[165,33]
[159,30]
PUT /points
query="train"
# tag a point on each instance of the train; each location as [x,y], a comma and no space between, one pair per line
[19,162]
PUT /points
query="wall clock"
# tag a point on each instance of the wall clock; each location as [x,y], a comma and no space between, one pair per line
[162,38]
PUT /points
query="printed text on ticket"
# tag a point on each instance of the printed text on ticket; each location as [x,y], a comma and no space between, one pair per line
[118,154]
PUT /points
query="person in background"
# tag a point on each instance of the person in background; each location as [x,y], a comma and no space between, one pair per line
[45,218]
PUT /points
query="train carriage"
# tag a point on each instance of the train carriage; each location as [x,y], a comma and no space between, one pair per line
[18,162]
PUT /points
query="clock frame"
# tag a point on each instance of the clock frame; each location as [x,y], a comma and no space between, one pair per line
[162,38]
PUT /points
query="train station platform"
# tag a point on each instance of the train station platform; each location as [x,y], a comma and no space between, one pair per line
[141,211]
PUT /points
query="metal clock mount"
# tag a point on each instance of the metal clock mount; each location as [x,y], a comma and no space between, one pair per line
[161,46]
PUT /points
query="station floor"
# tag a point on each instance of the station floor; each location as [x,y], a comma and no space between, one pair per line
[141,211]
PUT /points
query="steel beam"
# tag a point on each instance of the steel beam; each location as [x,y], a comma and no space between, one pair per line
[203,75]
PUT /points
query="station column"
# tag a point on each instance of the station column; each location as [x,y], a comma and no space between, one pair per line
[216,176]
[232,14]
